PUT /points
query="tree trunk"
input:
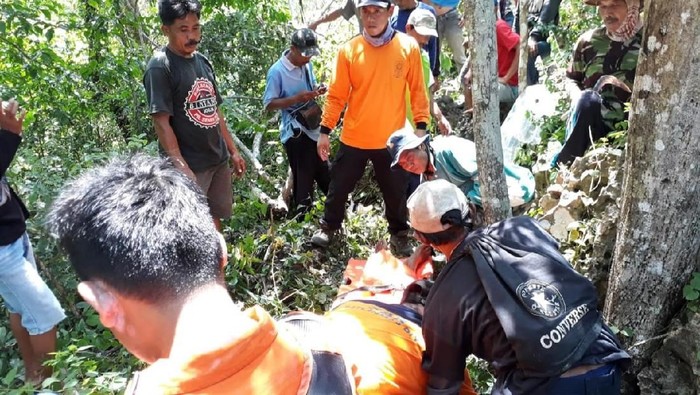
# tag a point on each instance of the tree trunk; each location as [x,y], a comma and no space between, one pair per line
[524,51]
[487,132]
[658,243]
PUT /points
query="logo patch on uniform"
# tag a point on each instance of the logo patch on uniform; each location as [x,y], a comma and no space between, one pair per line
[398,69]
[541,299]
[200,104]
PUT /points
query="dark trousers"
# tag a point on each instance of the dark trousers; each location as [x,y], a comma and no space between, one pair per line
[585,126]
[602,381]
[347,169]
[306,167]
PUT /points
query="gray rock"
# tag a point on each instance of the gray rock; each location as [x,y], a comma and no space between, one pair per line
[675,367]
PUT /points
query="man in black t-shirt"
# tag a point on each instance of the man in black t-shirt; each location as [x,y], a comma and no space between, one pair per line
[184,101]
[508,296]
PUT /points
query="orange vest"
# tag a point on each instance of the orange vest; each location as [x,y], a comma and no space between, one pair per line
[264,361]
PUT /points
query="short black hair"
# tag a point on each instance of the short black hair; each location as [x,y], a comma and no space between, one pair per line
[171,10]
[140,226]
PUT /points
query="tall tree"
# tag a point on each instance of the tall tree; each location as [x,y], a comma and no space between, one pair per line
[658,244]
[481,21]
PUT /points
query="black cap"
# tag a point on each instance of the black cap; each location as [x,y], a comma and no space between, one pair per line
[305,41]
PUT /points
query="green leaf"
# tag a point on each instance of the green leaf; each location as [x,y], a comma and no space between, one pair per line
[690,293]
[695,282]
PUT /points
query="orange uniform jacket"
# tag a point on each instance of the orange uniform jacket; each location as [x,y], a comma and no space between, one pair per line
[384,351]
[372,81]
[265,361]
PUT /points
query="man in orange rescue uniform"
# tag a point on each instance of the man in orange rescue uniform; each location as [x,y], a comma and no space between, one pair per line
[371,74]
[139,234]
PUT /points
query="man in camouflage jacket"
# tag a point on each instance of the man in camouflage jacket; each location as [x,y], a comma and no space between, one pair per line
[601,76]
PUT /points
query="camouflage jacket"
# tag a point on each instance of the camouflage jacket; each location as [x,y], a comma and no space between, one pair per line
[597,55]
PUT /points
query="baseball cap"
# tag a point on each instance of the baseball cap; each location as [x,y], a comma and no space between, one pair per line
[402,140]
[378,3]
[423,21]
[431,201]
[305,41]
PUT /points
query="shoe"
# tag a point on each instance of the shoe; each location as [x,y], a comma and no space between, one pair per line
[401,245]
[322,238]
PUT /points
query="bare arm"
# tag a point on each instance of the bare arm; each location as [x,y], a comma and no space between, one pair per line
[237,161]
[330,17]
[167,140]
[513,69]
[285,102]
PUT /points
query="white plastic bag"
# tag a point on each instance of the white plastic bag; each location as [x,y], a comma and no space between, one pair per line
[517,129]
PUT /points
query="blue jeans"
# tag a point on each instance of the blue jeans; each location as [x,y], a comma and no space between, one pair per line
[24,292]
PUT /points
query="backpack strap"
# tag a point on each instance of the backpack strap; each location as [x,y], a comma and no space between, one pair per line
[329,375]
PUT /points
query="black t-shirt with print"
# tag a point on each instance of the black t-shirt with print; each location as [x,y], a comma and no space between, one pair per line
[186,89]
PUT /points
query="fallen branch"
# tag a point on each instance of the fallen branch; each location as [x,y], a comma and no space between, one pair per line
[256,145]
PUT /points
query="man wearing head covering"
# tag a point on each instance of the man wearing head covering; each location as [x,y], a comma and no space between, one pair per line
[453,159]
[601,76]
[369,81]
[292,88]
[508,296]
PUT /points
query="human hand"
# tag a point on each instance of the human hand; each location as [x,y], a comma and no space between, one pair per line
[503,80]
[10,120]
[181,165]
[323,147]
[306,96]
[238,165]
[532,46]
[321,89]
[420,132]
[420,255]
[444,126]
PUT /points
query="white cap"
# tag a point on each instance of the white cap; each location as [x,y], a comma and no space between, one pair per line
[431,201]
[423,21]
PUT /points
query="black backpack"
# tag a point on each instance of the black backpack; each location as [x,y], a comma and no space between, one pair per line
[547,310]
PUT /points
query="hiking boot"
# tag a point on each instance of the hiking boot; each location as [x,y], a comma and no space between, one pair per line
[401,244]
[322,237]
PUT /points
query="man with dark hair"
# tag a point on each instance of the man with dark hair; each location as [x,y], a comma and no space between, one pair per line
[34,310]
[371,75]
[184,101]
[139,234]
[508,296]
[291,88]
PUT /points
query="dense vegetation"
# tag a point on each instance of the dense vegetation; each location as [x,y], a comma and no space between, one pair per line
[77,66]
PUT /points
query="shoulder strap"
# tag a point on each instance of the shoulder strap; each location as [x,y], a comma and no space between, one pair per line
[307,73]
[329,375]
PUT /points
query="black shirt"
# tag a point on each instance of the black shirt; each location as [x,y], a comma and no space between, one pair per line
[12,211]
[186,89]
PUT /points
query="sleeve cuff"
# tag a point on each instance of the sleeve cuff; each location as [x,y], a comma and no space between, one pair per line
[325,130]
[419,125]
